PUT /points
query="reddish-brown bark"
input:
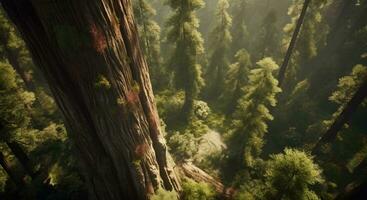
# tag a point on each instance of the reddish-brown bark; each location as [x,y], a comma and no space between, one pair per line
[116,132]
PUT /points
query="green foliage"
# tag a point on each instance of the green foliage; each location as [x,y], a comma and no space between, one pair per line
[14,102]
[195,191]
[240,95]
[346,89]
[287,175]
[220,43]
[348,85]
[169,104]
[162,194]
[102,82]
[252,190]
[201,110]
[12,45]
[183,145]
[269,44]
[34,139]
[311,38]
[252,110]
[150,31]
[236,78]
[239,29]
[7,77]
[61,178]
[358,158]
[183,32]
[290,175]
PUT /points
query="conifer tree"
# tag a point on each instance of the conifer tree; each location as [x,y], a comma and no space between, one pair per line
[15,106]
[347,87]
[253,112]
[220,41]
[288,175]
[13,49]
[291,174]
[239,29]
[188,48]
[149,32]
[268,40]
[303,36]
[236,78]
[351,92]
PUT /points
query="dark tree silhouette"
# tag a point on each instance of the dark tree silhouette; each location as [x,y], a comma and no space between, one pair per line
[343,118]
[292,44]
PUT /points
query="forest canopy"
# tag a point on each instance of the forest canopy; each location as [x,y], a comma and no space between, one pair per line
[183,99]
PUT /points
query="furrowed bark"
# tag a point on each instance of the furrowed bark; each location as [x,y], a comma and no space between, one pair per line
[89,53]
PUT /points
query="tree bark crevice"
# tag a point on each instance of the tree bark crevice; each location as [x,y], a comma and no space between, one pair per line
[89,54]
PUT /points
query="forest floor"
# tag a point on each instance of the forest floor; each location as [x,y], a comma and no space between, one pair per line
[210,143]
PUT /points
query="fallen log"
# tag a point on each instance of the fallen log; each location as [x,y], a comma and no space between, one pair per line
[191,171]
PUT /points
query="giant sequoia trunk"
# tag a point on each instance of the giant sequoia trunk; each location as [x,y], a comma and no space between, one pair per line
[88,51]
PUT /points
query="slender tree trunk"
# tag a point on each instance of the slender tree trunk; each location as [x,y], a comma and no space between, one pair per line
[14,177]
[292,45]
[89,53]
[344,117]
[22,157]
[235,96]
[188,106]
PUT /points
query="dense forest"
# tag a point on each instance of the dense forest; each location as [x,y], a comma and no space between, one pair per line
[183,99]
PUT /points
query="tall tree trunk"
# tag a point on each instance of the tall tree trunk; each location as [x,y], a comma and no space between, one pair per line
[22,157]
[188,106]
[344,117]
[292,44]
[88,50]
[12,175]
